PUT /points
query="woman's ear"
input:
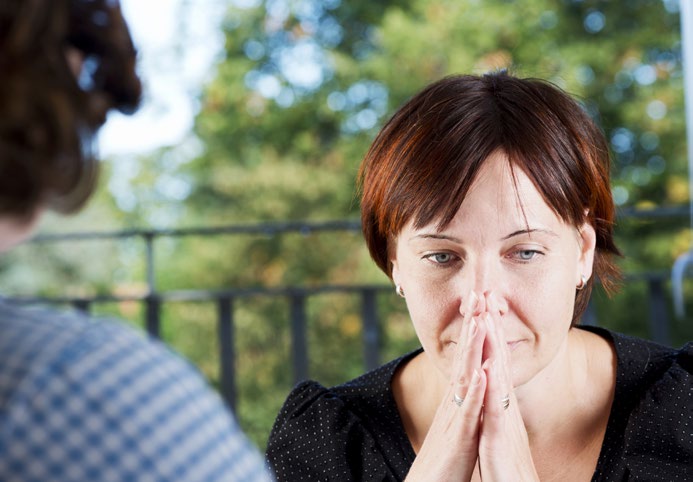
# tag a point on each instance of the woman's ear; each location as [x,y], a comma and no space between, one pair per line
[587,237]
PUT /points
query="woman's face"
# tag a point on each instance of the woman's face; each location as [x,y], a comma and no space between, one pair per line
[506,240]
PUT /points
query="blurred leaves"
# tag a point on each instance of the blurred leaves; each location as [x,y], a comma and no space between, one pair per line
[298,94]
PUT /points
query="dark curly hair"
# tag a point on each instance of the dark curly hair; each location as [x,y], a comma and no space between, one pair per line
[50,114]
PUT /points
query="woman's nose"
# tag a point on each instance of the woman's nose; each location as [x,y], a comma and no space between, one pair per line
[485,276]
[495,302]
[486,281]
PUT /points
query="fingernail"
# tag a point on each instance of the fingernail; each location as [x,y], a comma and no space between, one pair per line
[476,378]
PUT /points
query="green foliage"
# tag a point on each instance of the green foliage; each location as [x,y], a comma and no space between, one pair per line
[278,142]
[280,148]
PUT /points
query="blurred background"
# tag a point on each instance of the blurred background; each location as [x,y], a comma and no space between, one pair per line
[227,219]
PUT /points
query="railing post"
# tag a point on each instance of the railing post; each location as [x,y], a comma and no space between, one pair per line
[82,305]
[225,333]
[149,261]
[371,333]
[153,303]
[153,313]
[299,345]
[659,320]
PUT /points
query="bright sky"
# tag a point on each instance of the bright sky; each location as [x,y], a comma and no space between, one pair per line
[163,29]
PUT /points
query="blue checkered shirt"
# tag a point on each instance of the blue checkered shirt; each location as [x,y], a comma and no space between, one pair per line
[97,401]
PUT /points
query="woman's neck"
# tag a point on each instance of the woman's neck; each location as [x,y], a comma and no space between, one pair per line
[417,394]
[572,391]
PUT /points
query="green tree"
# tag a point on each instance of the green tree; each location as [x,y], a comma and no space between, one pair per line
[299,92]
[304,86]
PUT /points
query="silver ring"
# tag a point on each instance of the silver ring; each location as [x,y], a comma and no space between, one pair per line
[505,401]
[457,399]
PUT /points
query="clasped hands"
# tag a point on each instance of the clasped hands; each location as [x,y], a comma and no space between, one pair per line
[478,421]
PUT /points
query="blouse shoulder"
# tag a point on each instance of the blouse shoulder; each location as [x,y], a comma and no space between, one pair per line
[644,364]
[316,437]
[300,399]
[658,389]
[340,433]
[684,357]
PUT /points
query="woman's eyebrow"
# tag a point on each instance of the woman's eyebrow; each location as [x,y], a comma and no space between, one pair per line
[446,237]
[435,236]
[528,231]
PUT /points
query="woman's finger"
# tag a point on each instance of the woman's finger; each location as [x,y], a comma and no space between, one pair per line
[495,404]
[500,384]
[469,359]
[500,351]
[461,356]
[450,450]
[503,444]
[504,452]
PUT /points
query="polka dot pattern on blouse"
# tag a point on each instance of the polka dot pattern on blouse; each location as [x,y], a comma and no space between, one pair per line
[354,431]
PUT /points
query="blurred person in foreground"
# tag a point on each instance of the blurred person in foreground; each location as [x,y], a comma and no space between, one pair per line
[85,401]
[486,200]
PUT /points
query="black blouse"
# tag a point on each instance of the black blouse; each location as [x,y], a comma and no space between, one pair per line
[354,431]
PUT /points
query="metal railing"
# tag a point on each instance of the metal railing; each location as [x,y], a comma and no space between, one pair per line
[225,299]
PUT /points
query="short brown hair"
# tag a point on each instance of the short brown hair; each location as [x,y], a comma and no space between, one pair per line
[424,160]
[48,117]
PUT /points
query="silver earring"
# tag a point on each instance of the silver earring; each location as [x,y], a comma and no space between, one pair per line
[399,290]
[583,282]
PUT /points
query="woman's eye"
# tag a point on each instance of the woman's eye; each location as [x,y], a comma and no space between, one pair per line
[527,254]
[440,258]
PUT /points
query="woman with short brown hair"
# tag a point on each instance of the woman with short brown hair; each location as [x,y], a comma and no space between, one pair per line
[486,200]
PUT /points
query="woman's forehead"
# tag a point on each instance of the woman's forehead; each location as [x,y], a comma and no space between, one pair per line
[500,193]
